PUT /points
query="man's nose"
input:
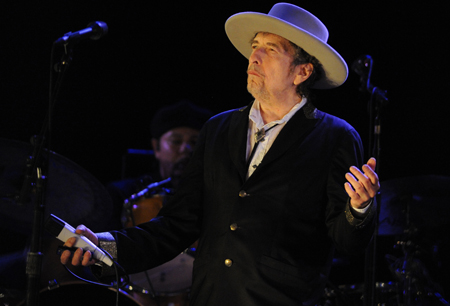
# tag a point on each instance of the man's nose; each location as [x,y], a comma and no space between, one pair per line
[256,56]
[186,147]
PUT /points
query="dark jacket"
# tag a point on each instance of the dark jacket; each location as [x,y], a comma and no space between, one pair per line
[268,240]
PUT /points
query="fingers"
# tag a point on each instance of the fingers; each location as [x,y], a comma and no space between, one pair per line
[372,162]
[83,258]
[358,185]
[363,185]
[368,180]
[369,170]
[66,255]
[351,193]
[83,230]
[79,257]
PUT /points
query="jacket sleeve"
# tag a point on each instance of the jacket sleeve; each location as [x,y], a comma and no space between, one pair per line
[350,234]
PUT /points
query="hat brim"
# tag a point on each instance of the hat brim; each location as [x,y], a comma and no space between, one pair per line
[242,27]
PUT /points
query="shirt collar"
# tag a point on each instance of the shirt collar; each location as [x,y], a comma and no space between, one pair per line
[255,114]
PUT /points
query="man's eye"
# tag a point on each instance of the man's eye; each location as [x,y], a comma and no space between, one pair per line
[176,142]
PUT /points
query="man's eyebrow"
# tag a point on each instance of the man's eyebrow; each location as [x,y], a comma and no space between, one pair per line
[276,46]
[271,44]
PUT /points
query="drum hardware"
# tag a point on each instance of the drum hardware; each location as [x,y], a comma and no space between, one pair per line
[415,284]
[81,293]
[69,183]
[135,288]
[169,283]
[52,284]
[353,294]
[10,296]
[145,192]
[336,295]
[155,194]
[130,205]
[414,216]
[66,183]
[414,210]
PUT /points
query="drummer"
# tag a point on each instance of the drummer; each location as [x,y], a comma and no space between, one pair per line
[174,132]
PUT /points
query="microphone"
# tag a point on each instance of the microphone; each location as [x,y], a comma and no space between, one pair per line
[363,67]
[95,30]
[63,231]
[362,64]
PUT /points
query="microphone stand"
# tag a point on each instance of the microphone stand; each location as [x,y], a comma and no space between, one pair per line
[38,169]
[378,99]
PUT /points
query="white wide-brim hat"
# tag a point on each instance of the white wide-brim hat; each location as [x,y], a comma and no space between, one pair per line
[297,25]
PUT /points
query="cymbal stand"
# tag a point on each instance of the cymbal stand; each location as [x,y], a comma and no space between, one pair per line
[378,99]
[37,170]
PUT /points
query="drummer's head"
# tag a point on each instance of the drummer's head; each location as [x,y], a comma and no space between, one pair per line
[175,131]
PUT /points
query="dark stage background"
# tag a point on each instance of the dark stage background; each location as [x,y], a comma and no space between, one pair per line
[157,53]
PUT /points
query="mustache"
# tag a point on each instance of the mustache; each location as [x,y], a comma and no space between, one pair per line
[255,69]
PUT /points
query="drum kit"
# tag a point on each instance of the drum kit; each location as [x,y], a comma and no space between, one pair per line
[169,283]
[412,263]
[413,217]
[77,197]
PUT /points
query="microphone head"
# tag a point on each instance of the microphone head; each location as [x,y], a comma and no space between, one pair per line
[362,65]
[99,29]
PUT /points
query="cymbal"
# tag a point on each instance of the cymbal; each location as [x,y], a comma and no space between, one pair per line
[72,193]
[419,201]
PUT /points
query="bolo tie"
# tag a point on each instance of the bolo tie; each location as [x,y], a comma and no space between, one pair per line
[259,137]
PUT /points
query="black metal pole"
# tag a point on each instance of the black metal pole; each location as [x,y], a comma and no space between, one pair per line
[34,257]
[40,168]
[377,101]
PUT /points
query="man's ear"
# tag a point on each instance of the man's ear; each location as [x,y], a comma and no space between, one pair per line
[155,144]
[303,72]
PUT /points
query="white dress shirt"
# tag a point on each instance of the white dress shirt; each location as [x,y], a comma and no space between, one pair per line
[256,123]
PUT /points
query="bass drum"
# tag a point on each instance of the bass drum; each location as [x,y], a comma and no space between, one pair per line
[80,293]
[171,279]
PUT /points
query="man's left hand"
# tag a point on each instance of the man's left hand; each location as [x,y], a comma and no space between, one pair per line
[362,186]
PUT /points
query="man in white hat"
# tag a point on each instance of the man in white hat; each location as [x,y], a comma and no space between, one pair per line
[272,188]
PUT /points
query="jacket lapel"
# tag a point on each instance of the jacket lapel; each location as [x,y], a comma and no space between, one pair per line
[237,139]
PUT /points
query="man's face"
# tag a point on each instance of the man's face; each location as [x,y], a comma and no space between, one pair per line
[174,146]
[269,70]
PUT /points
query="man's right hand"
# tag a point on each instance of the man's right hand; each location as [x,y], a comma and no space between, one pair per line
[78,258]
